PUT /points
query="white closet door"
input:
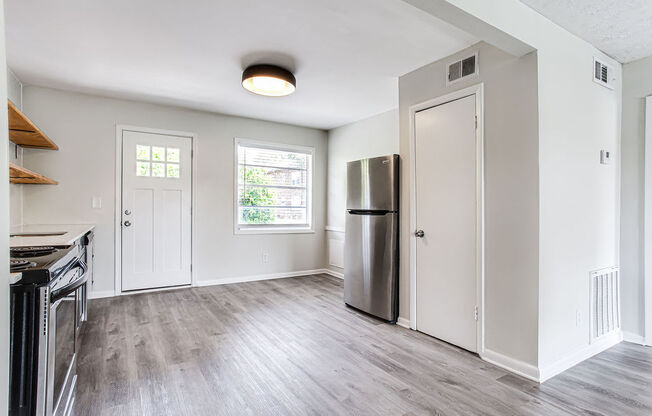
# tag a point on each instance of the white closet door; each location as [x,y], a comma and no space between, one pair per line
[446,212]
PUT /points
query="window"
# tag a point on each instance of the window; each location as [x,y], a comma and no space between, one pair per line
[273,187]
[157,161]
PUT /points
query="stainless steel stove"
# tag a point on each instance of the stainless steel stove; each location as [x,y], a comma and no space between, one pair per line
[48,303]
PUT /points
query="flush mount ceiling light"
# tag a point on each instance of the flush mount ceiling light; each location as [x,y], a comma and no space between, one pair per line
[269,80]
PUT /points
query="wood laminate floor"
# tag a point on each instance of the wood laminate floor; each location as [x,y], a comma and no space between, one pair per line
[291,347]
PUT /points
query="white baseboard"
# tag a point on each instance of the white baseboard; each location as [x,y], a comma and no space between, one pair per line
[634,338]
[110,293]
[101,294]
[558,367]
[224,281]
[513,365]
[333,273]
[405,323]
[255,278]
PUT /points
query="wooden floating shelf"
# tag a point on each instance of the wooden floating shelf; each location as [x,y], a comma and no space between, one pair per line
[25,133]
[18,174]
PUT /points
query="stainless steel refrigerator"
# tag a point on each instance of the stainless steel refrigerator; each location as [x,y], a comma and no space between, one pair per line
[371,240]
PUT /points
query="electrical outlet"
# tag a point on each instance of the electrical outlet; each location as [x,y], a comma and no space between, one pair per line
[265,257]
[578,318]
[96,202]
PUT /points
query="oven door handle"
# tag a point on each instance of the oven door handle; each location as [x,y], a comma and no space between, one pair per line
[72,286]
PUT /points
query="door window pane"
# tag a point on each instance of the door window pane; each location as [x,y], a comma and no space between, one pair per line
[173,170]
[142,168]
[158,153]
[142,152]
[173,154]
[158,170]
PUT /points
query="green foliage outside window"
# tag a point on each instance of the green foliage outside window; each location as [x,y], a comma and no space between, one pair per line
[256,197]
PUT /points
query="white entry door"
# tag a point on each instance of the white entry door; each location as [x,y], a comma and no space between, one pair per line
[156,210]
[446,212]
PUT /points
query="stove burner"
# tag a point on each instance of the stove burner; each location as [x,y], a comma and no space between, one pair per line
[18,265]
[31,251]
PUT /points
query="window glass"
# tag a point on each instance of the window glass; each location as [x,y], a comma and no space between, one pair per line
[173,155]
[173,170]
[273,186]
[142,152]
[142,168]
[158,153]
[164,161]
[158,170]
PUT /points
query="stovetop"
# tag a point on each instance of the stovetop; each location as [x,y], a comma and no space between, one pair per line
[40,264]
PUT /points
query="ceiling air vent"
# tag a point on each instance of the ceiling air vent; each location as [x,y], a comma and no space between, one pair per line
[603,74]
[461,69]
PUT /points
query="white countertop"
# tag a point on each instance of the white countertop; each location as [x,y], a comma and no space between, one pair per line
[71,233]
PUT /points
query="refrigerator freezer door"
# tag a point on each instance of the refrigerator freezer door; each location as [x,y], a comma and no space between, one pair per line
[370,264]
[372,184]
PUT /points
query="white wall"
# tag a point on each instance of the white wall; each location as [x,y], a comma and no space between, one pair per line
[14,88]
[511,191]
[15,94]
[579,224]
[84,128]
[637,84]
[579,198]
[370,137]
[4,228]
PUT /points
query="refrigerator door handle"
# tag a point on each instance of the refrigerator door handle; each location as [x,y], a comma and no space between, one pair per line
[368,212]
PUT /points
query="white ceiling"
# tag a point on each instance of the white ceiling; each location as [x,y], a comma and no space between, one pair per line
[620,28]
[346,54]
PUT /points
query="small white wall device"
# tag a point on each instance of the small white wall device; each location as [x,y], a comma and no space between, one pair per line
[605,157]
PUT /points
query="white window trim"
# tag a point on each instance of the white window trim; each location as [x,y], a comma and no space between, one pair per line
[280,228]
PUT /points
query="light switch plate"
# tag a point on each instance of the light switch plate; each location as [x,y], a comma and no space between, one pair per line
[97,202]
[605,157]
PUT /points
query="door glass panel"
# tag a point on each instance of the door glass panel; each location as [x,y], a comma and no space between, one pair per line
[158,153]
[173,170]
[142,152]
[142,168]
[173,154]
[158,170]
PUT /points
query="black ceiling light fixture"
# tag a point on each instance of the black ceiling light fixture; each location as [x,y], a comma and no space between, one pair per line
[269,80]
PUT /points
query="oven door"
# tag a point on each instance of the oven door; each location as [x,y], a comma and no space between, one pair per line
[62,374]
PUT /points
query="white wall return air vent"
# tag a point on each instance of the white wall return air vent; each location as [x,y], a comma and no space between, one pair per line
[604,316]
[603,74]
[458,70]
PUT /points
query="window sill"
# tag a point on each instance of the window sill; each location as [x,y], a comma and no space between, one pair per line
[239,231]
